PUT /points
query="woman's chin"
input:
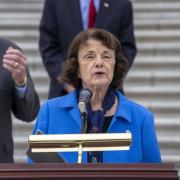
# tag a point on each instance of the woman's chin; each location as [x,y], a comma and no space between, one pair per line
[100,84]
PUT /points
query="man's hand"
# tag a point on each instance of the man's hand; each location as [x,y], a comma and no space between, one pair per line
[15,62]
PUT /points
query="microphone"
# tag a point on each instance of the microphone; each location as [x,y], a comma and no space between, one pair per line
[84,98]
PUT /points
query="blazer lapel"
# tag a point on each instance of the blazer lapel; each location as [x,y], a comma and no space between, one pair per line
[123,111]
[70,102]
[76,115]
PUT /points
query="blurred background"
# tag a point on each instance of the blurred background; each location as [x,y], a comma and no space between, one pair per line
[154,79]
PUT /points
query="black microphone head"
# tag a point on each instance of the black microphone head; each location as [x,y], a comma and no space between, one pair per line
[84,98]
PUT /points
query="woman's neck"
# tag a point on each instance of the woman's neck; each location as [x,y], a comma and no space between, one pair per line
[113,109]
[98,98]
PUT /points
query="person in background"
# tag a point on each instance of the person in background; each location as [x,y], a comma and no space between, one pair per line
[95,61]
[63,19]
[17,95]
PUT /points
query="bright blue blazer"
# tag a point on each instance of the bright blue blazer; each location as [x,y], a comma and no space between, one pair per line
[62,116]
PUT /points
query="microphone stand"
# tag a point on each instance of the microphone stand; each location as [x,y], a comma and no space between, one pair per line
[84,122]
[84,98]
[83,131]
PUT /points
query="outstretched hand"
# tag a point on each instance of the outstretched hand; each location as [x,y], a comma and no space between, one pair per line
[16,63]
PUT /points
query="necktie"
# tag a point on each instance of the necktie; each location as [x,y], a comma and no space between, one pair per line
[92,14]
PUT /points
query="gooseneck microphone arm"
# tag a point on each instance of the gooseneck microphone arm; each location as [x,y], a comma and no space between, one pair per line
[84,117]
[84,98]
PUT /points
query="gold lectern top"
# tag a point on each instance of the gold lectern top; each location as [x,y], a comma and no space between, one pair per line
[71,142]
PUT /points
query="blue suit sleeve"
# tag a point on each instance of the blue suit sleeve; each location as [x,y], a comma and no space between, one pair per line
[41,123]
[150,146]
[42,120]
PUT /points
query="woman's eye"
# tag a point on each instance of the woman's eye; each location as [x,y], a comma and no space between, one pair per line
[89,57]
[107,57]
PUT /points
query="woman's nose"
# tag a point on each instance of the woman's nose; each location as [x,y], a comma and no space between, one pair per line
[99,62]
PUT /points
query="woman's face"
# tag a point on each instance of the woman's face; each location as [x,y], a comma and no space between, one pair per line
[96,64]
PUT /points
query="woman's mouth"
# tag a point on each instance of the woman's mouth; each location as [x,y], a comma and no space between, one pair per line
[99,73]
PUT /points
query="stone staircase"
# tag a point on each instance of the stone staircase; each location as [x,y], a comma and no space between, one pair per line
[154,79]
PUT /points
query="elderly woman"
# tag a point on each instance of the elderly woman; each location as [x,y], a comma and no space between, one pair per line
[95,62]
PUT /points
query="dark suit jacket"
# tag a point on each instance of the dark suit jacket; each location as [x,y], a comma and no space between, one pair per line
[61,21]
[25,108]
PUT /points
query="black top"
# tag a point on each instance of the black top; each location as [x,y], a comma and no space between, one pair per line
[107,123]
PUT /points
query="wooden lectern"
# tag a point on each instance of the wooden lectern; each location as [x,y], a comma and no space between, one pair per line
[88,172]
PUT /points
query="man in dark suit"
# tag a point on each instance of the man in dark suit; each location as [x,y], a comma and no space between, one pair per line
[63,19]
[17,95]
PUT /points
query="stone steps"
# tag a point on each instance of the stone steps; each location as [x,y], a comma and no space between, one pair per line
[155,48]
[159,36]
[156,61]
[159,7]
[156,24]
[162,78]
[23,35]
[153,95]
[15,7]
